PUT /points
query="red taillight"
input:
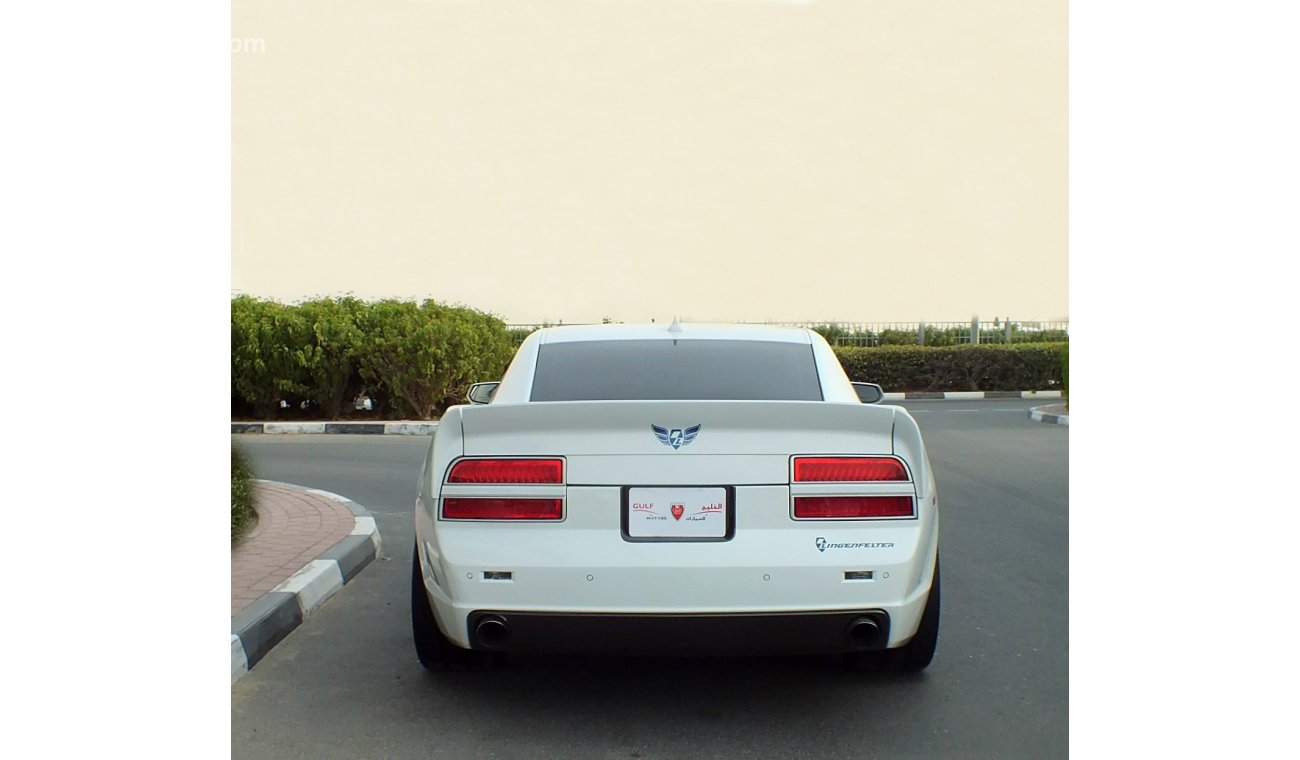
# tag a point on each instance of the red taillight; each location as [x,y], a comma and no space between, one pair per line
[848,507]
[455,508]
[507,471]
[847,469]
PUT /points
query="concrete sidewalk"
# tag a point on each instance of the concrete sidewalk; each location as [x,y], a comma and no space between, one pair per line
[306,545]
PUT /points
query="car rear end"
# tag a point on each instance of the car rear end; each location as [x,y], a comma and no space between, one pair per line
[678,525]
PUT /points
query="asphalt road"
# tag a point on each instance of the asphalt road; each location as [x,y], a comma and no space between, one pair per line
[346,683]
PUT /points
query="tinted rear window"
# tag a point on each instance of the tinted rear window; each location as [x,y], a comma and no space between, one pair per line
[688,369]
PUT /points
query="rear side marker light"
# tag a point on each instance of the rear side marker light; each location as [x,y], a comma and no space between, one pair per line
[849,507]
[526,471]
[475,508]
[847,469]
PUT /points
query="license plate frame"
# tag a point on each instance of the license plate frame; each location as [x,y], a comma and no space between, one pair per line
[638,529]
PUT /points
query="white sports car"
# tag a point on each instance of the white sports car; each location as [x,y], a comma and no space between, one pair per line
[693,489]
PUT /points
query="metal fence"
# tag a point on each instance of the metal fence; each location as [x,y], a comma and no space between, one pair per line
[908,333]
[937,333]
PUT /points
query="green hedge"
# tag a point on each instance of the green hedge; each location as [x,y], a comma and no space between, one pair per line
[937,336]
[241,494]
[415,359]
[412,359]
[264,367]
[1065,374]
[425,356]
[1014,367]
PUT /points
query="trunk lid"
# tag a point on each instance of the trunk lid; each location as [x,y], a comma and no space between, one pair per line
[676,442]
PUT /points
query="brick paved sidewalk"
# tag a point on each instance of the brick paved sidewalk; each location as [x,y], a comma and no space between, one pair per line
[294,527]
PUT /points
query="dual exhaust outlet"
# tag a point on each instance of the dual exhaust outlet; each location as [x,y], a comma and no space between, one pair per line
[493,632]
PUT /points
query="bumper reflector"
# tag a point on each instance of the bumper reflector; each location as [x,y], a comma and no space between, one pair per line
[842,507]
[475,508]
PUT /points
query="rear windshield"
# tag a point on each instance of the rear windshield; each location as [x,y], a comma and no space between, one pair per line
[614,370]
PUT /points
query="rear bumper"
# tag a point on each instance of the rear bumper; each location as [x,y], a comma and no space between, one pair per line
[665,634]
[778,585]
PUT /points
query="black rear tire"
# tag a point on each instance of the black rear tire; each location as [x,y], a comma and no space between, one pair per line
[431,647]
[915,655]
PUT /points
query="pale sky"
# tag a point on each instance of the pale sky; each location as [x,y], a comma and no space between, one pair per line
[729,160]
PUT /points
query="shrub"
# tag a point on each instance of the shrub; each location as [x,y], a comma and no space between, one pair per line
[946,336]
[891,367]
[1065,374]
[241,493]
[838,334]
[264,363]
[476,347]
[330,350]
[1018,366]
[415,359]
[830,332]
[426,356]
[897,338]
[400,354]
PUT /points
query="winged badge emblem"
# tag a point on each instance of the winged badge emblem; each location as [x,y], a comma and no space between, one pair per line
[676,437]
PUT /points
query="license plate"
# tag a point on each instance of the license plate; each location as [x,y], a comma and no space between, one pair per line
[677,513]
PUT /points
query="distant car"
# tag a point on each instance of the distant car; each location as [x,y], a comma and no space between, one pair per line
[695,489]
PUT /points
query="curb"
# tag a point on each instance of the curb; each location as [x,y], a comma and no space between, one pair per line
[265,623]
[428,428]
[335,428]
[1038,415]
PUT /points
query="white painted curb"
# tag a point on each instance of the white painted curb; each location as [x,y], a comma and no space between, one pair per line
[410,428]
[1038,415]
[319,579]
[314,583]
[365,526]
[272,428]
[238,661]
[334,428]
